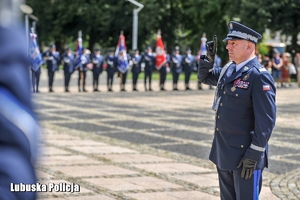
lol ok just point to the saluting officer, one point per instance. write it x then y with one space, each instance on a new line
149 59
188 67
245 113
136 68
176 66
111 68
68 63
52 58
97 60
85 60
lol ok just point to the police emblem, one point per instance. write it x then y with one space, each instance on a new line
246 77
230 26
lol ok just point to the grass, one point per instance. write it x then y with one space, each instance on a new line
155 76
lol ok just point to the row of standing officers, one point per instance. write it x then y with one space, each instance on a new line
97 63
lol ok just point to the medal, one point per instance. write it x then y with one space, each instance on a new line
233 89
246 77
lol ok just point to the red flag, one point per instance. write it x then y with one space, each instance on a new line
160 53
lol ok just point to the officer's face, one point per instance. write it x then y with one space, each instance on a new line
239 50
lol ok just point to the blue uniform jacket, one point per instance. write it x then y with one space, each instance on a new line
149 61
188 63
176 63
97 64
18 125
111 62
53 60
136 67
69 61
246 113
85 59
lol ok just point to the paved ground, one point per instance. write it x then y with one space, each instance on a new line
149 145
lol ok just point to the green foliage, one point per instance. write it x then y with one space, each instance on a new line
182 22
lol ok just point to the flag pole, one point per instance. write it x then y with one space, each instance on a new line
81 72
121 75
159 76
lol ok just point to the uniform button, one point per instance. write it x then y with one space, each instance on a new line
224 92
221 104
236 95
242 146
217 129
218 116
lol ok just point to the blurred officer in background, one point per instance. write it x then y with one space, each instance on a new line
188 63
18 125
136 68
85 60
111 68
176 66
245 113
68 60
97 60
149 59
163 72
52 58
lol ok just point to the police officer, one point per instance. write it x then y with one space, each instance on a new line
148 59
245 113
85 60
136 68
68 60
111 68
123 66
188 63
52 58
163 72
97 60
35 78
18 125
176 66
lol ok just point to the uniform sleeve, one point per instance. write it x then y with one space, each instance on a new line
207 74
264 106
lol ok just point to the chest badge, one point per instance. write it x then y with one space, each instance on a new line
238 83
246 77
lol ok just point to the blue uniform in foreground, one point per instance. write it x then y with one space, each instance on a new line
18 125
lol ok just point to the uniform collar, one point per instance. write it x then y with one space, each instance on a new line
242 64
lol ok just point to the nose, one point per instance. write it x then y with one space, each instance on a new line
228 46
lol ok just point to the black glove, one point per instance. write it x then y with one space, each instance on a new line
211 48
248 167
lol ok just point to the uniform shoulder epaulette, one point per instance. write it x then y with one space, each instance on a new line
260 68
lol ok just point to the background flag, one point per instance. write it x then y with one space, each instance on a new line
35 55
160 58
123 63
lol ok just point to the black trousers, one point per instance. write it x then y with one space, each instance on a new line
175 77
35 80
50 78
67 78
135 76
110 80
163 76
124 77
148 74
96 80
81 78
187 75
